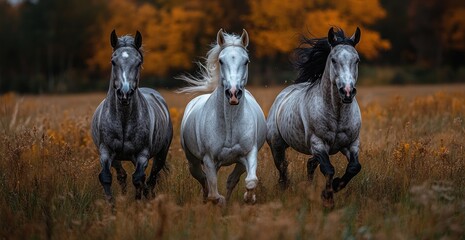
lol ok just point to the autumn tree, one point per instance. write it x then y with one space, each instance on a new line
275 24
168 35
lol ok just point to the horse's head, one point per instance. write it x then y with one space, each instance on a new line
343 61
126 63
233 61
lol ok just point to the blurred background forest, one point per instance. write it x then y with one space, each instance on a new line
63 46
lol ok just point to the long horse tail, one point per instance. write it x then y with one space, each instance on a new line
204 82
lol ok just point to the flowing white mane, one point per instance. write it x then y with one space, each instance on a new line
209 72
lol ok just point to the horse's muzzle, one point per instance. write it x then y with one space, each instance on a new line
124 97
234 95
347 94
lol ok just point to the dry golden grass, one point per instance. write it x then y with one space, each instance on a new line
411 185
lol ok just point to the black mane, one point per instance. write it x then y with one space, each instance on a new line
310 57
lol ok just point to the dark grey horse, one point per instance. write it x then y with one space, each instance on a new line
131 123
319 115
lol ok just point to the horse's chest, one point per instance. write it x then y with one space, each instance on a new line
129 142
340 137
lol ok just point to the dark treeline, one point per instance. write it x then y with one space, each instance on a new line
46 44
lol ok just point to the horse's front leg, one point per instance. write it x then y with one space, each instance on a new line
251 181
211 174
121 175
233 179
353 168
320 154
328 171
105 175
138 177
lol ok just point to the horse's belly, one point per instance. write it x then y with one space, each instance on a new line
295 136
299 146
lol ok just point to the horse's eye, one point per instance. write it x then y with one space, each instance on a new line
247 62
333 60
357 61
113 63
221 62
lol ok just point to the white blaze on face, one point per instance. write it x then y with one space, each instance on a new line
125 86
125 55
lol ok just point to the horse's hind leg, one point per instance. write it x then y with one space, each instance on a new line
233 179
251 180
278 150
121 175
159 162
312 164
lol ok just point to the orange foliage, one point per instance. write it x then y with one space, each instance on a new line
275 24
165 35
454 29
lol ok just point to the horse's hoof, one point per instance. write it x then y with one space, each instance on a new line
283 184
148 193
138 195
109 199
338 184
250 197
328 200
310 178
220 201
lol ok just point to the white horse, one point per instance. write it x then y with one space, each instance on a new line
226 126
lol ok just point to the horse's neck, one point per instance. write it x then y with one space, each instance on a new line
228 114
124 113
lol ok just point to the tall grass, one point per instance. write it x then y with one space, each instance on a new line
411 184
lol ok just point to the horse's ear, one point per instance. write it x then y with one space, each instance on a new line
245 38
113 39
220 37
356 37
331 37
138 40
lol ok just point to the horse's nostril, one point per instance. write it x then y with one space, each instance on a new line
239 94
227 93
342 91
119 92
354 91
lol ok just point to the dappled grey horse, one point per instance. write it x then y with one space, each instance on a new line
226 126
131 123
319 115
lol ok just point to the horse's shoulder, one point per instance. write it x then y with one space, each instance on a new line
152 93
195 104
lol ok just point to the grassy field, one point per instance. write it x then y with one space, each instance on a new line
411 186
